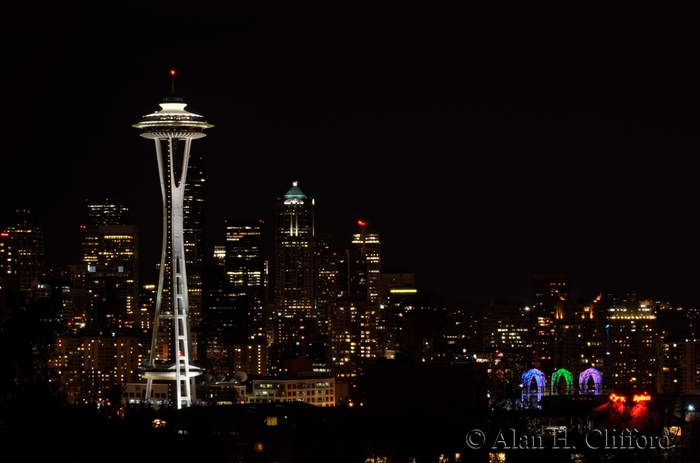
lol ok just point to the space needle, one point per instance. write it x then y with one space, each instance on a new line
172 129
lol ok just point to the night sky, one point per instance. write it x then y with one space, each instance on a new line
483 144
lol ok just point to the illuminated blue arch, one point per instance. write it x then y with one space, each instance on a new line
539 378
568 380
597 380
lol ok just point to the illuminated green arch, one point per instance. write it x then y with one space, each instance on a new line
568 379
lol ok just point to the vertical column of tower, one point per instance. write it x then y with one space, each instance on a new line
175 128
180 291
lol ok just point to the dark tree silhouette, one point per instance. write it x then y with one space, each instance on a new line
28 340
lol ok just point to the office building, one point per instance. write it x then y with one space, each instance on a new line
318 390
294 254
225 321
631 333
245 257
369 246
395 278
251 359
353 338
193 232
107 212
109 274
547 288
507 328
331 280
23 257
679 366
580 340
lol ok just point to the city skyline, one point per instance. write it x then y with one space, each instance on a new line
483 147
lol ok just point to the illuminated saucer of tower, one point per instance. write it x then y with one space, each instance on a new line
173 129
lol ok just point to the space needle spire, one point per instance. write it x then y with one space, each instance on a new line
172 129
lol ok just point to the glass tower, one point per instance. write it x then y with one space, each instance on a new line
294 254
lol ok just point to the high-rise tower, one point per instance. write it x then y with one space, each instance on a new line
109 275
193 235
548 288
294 254
369 247
245 260
23 259
172 129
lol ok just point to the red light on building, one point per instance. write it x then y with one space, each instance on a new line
362 223
636 398
618 398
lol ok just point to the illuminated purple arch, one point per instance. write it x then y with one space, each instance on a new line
597 380
568 379
539 378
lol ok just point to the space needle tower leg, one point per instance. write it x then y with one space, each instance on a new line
173 129
179 289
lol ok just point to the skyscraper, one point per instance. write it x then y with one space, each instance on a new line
109 254
193 216
4 250
294 254
193 219
107 212
172 129
23 260
547 289
331 280
369 247
245 260
246 269
631 332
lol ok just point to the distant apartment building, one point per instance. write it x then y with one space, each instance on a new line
251 359
353 340
631 333
395 278
507 328
679 366
580 338
135 393
547 289
93 368
314 390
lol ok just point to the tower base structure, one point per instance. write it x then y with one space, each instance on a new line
183 379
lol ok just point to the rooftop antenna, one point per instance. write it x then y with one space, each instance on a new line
172 87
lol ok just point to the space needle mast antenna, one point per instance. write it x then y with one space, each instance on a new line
172 129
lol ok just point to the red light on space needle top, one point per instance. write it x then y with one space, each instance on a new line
362 223
172 72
